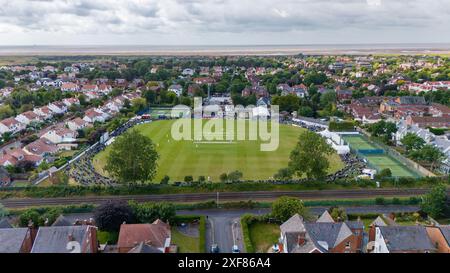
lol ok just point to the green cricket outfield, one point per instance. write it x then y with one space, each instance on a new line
210 159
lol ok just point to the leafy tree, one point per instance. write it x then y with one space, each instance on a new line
435 202
383 129
28 216
110 215
188 178
384 173
429 154
286 207
149 212
201 178
165 180
288 103
3 211
412 142
338 214
283 174
235 176
223 177
132 158
310 156
305 111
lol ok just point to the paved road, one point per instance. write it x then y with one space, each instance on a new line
220 222
224 196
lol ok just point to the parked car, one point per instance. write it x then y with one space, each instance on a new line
235 249
214 248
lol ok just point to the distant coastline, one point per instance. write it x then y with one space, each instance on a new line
225 50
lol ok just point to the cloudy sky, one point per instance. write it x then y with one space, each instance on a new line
204 22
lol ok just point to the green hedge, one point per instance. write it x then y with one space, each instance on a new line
341 126
246 234
202 234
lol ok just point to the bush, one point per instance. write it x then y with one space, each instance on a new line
341 126
396 201
188 178
165 180
380 201
149 212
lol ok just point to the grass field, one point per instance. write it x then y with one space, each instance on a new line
263 235
181 158
380 161
185 243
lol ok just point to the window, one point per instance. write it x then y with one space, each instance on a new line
347 244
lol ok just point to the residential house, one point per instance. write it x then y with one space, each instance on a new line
176 88
188 72
14 156
104 88
16 240
89 88
402 239
71 101
28 117
424 122
92 115
66 239
77 124
41 147
69 87
11 125
44 112
156 235
60 134
440 237
439 110
344 94
58 107
323 236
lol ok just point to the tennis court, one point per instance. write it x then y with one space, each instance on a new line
359 143
377 157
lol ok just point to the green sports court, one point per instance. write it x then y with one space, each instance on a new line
377 157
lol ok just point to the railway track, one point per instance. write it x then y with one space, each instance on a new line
223 196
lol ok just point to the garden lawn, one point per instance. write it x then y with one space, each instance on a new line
186 244
182 158
263 236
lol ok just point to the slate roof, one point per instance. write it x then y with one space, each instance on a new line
293 224
325 218
378 222
144 248
55 239
61 221
4 223
11 239
406 238
354 224
331 233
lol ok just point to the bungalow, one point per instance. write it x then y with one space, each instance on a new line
16 240
156 235
69 87
66 239
58 107
28 117
77 124
11 125
402 239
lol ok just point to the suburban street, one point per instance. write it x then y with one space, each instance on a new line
219 226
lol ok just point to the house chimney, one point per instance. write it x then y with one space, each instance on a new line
301 238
